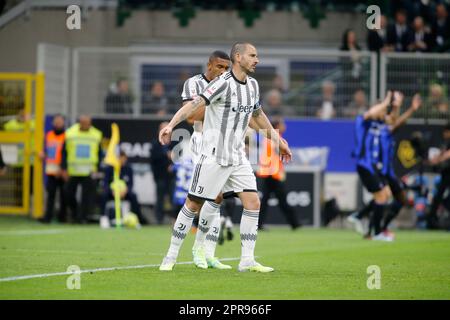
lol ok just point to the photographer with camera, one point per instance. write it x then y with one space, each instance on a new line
443 161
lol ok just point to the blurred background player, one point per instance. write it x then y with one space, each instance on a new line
271 171
367 132
443 161
81 158
162 168
397 187
386 151
126 193
208 226
53 146
183 166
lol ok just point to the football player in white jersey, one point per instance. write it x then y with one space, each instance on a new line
232 101
208 230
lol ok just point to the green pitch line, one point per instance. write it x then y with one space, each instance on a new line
309 264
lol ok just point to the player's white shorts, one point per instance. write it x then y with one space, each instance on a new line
209 179
195 145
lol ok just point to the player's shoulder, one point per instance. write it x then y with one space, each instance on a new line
222 80
226 76
196 78
252 81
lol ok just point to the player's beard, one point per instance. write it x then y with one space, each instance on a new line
249 69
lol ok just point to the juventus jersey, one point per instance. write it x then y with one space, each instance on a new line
193 87
230 104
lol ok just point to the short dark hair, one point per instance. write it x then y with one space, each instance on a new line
401 11
59 115
238 47
122 154
219 54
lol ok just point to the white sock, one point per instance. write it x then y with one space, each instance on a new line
180 230
228 223
212 237
249 231
210 210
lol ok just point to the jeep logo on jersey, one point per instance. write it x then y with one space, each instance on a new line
244 109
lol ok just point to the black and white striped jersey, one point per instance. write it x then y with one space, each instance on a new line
230 104
194 86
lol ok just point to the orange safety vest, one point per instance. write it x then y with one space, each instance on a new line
270 163
54 144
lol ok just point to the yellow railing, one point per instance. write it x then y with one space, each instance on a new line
33 83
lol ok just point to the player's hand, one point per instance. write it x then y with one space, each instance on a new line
165 134
398 99
388 98
285 152
3 171
416 102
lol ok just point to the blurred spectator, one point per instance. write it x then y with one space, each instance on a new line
119 99
54 142
162 168
80 163
420 40
377 39
273 105
437 103
126 175
351 66
155 101
441 29
357 106
278 83
399 32
327 104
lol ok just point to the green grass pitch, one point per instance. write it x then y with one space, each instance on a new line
309 264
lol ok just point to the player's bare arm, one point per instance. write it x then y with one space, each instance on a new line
397 103
415 105
185 111
259 121
375 110
198 115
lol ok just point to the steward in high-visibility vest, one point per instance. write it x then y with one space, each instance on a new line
270 163
17 165
53 154
18 125
273 175
82 150
81 159
54 142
